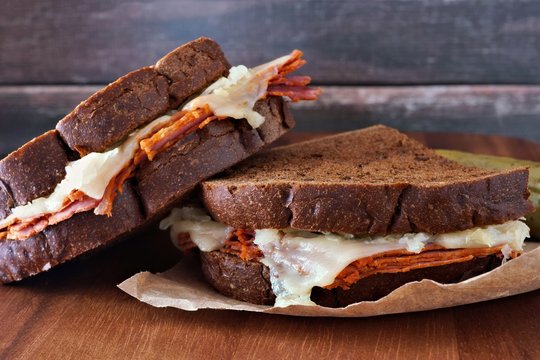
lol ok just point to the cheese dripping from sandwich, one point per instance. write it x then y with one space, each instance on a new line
301 260
93 181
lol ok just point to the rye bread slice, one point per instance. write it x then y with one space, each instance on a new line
163 182
376 181
59 243
33 170
191 67
110 115
250 280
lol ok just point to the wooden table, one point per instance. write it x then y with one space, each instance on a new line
76 311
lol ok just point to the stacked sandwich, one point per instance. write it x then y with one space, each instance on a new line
135 148
332 221
349 218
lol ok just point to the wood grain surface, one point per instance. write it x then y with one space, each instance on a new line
512 110
76 312
346 41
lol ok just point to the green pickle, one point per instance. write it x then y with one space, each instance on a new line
500 163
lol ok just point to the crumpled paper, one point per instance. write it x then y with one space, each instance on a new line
183 287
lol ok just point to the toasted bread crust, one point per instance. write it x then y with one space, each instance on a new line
375 181
110 115
250 280
242 280
64 241
191 67
34 169
219 145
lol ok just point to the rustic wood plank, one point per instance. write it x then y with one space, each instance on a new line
75 311
346 42
504 110
27 111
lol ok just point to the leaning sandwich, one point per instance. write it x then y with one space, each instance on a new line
350 218
133 149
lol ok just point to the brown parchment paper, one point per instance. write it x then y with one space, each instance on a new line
183 287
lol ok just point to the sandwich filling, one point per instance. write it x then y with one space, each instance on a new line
301 260
92 182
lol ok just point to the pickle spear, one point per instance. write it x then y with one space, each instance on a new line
501 163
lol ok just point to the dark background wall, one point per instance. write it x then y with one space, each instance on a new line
429 65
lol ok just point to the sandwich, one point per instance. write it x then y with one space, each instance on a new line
350 218
132 150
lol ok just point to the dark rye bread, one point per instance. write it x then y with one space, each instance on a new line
190 68
250 280
110 115
35 169
233 277
221 144
62 242
376 180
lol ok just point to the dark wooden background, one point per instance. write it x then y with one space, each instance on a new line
437 65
